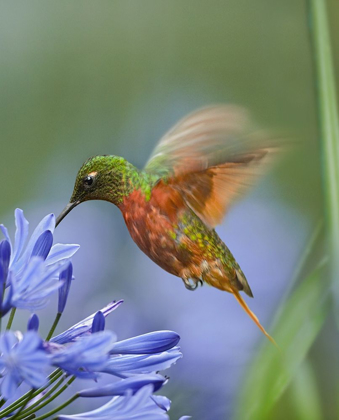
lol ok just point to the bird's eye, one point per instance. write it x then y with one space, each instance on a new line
88 181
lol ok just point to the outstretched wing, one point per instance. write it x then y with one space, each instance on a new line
212 156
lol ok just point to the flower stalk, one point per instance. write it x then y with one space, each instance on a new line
53 327
10 319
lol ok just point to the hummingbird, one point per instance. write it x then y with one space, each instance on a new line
171 207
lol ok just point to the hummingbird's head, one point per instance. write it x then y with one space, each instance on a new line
99 178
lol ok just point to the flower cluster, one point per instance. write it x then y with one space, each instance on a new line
29 272
29 275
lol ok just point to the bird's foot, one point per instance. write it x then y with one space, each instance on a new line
192 284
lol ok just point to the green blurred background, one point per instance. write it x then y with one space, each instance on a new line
80 78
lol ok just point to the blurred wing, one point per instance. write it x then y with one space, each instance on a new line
212 156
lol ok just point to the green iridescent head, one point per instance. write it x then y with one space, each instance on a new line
99 178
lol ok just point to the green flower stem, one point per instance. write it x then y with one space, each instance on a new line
329 126
55 323
37 403
16 404
46 402
29 396
65 404
48 393
10 319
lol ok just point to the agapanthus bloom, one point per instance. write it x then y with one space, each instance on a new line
87 355
29 271
28 276
84 327
132 384
140 406
84 354
21 359
153 342
125 365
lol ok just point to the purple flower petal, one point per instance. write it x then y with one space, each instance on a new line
22 360
98 322
120 388
34 270
7 342
43 245
5 257
30 342
6 234
87 354
61 252
33 323
6 305
30 279
47 223
9 385
84 326
36 285
154 342
142 363
21 234
139 406
163 402
66 278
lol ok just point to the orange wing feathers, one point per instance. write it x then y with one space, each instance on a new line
212 157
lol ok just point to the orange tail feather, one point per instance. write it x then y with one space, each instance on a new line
251 314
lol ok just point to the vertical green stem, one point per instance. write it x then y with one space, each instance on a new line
10 320
329 127
55 323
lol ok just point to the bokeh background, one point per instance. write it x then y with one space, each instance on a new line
80 78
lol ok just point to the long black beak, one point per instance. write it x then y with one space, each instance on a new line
65 212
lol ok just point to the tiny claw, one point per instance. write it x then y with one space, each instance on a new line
192 286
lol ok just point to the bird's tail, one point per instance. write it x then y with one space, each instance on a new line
251 314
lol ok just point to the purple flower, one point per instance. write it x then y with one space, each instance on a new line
132 384
38 245
83 327
33 289
30 270
5 255
153 342
145 363
86 356
65 277
98 323
137 406
29 274
21 360
33 323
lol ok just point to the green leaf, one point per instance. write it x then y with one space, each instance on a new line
305 393
272 370
329 127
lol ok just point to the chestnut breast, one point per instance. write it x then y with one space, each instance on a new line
152 224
